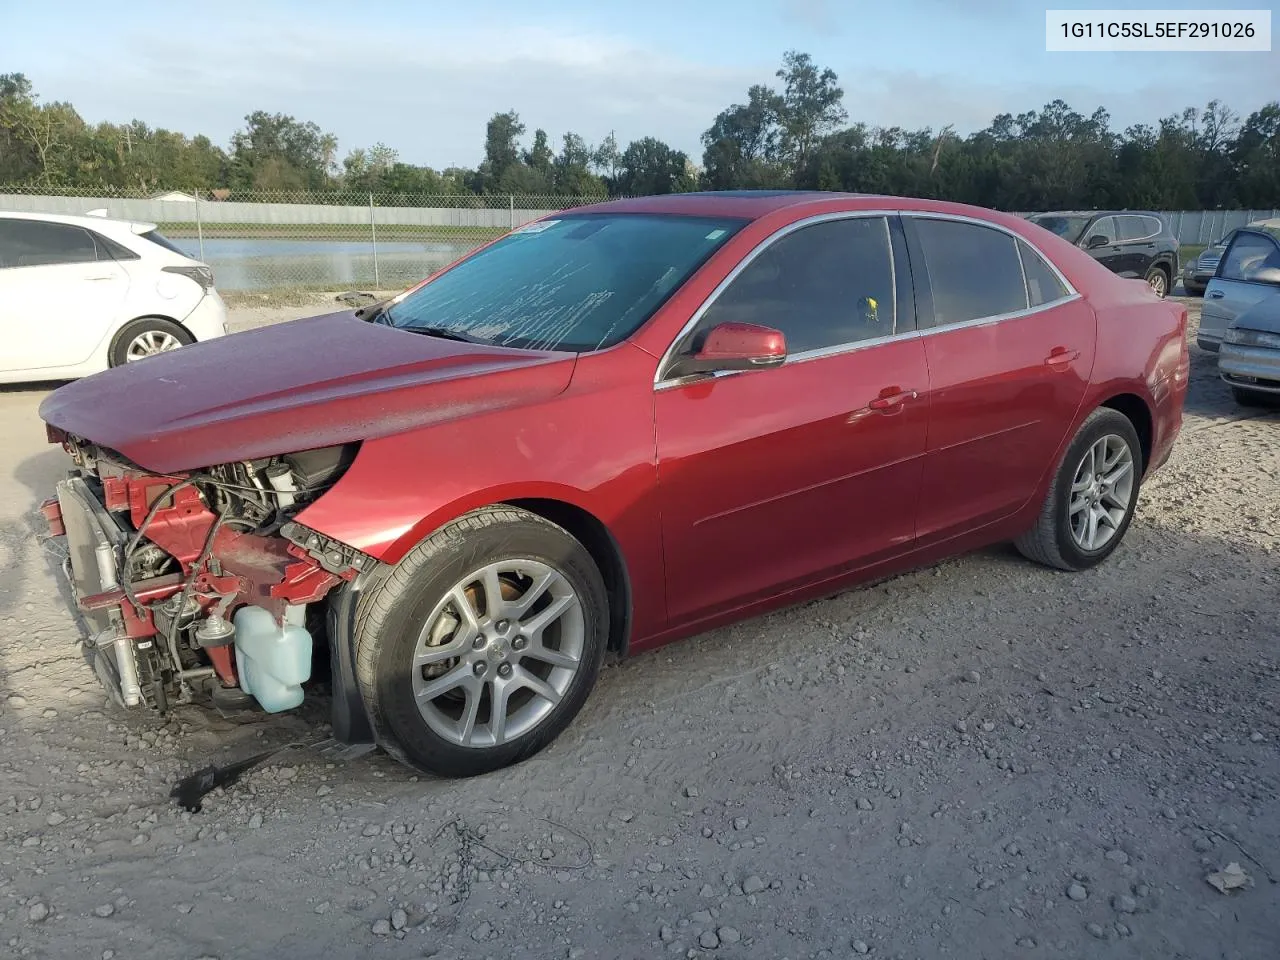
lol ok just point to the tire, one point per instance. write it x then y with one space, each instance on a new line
415 612
1052 541
1251 398
157 330
1158 279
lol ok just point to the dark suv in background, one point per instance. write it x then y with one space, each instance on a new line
1131 243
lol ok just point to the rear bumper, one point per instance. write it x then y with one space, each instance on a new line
209 319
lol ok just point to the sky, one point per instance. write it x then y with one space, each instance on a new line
425 76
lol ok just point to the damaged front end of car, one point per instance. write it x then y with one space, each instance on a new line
202 586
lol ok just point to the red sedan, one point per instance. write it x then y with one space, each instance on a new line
612 428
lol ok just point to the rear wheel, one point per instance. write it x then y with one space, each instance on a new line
481 646
1092 497
147 337
1158 280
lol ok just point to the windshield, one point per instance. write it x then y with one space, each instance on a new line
577 283
1069 228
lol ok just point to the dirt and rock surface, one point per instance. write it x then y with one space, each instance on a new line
980 759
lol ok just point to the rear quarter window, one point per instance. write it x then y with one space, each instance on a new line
1043 285
160 240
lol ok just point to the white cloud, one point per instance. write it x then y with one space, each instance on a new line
426 94
429 92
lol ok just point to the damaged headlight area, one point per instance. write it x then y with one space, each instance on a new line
202 585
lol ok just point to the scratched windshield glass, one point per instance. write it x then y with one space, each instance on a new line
578 283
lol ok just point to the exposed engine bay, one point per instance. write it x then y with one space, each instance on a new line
200 586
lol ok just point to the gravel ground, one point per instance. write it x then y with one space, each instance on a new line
980 759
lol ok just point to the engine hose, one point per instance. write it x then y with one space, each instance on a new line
172 636
125 582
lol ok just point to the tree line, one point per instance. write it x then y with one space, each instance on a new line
795 134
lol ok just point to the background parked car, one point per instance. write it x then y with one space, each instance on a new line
1250 356
1129 243
1198 272
1248 273
81 294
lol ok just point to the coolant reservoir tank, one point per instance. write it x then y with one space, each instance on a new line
272 661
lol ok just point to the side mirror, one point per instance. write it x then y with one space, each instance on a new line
1097 240
736 346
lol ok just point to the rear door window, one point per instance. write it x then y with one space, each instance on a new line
35 243
974 271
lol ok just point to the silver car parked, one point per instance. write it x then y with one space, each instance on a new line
1249 272
1250 356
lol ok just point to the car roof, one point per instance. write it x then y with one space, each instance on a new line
755 204
1097 213
79 220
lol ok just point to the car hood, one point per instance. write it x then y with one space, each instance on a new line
295 386
1263 315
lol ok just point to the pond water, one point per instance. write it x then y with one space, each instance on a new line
271 263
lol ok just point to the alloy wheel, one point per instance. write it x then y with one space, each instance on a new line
1101 492
149 343
498 653
1159 286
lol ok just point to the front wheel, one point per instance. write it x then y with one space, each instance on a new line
482 645
1092 497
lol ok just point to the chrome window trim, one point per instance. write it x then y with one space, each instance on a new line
1022 268
660 382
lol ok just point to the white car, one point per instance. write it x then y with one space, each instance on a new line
81 294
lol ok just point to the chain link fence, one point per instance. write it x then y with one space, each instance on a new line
265 241
277 241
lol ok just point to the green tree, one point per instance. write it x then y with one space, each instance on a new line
539 157
607 158
648 166
810 106
501 147
277 152
741 146
1256 154
571 173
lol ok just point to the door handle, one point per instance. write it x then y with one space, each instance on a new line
104 276
1214 294
893 400
1061 356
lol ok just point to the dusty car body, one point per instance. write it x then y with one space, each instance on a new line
1249 358
473 514
1247 273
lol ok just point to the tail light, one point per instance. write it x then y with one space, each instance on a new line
201 275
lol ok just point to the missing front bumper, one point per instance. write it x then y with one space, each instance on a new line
95 545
